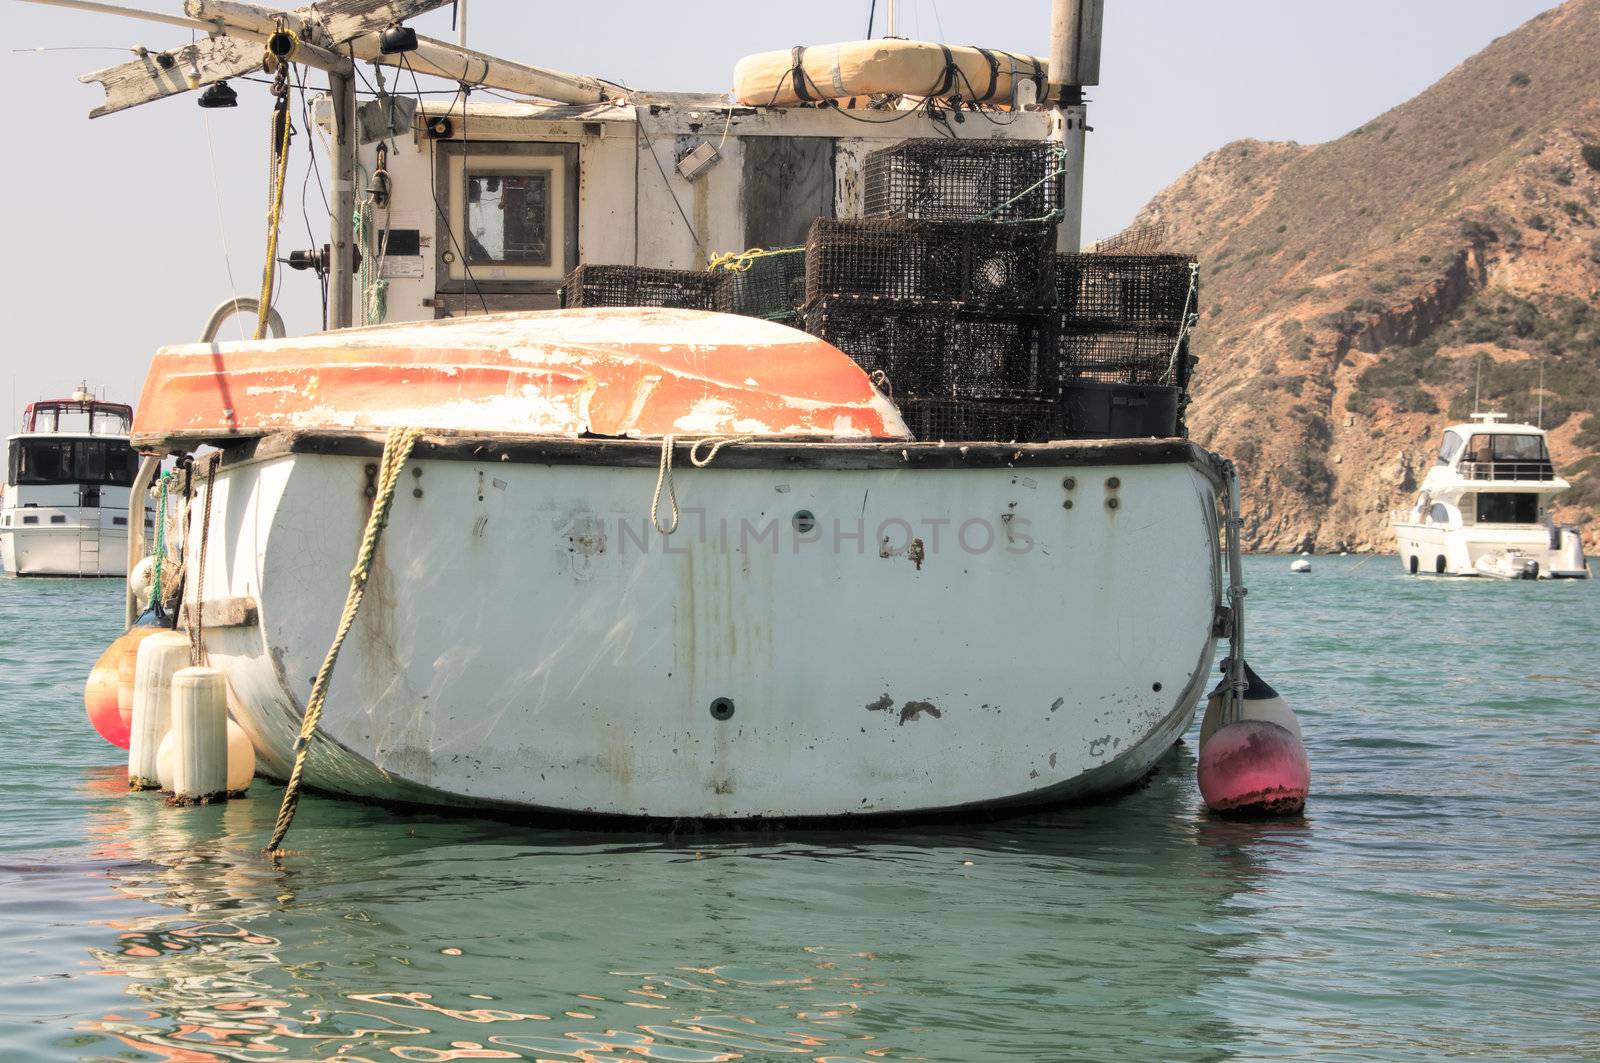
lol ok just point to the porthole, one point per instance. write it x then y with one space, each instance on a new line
722 709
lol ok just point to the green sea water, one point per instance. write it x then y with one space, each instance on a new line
1439 901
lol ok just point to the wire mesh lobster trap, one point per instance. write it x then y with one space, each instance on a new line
941 350
642 286
1004 420
979 264
1121 287
770 285
1123 353
965 180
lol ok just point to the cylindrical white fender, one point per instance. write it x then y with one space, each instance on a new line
200 730
160 656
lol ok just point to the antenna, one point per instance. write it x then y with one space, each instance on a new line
1540 422
1477 388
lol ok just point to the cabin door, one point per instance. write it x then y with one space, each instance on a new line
788 184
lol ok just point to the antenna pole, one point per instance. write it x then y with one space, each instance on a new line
1477 389
1540 422
892 29
461 22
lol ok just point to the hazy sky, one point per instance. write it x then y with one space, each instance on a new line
117 248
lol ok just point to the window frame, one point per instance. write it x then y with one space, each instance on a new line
453 160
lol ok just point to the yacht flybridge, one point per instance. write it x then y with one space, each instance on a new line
64 505
724 459
1484 509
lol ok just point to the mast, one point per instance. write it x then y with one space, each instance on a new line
1075 27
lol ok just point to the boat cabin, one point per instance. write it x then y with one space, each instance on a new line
489 206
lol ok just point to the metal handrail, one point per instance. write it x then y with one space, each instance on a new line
1507 470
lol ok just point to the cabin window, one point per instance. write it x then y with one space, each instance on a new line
508 218
66 461
1496 507
1438 514
1450 448
119 522
1519 448
30 519
58 518
512 216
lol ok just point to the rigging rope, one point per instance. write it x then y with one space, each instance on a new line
161 544
281 126
396 450
197 635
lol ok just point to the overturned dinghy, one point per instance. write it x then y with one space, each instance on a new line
830 620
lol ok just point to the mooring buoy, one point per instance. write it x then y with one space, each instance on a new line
1252 758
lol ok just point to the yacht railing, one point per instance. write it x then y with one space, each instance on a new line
1507 470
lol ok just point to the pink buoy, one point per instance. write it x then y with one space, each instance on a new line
1254 767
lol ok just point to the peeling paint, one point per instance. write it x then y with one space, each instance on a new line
1056 704
913 710
883 704
915 553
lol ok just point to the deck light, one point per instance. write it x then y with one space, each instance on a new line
396 39
219 94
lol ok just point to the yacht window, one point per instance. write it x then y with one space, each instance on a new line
508 218
1508 508
65 461
1519 448
1482 448
1450 448
58 518
119 521
30 519
1438 514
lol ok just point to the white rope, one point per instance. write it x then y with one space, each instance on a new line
1185 322
664 473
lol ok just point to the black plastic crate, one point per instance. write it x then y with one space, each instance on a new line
1119 352
771 286
1095 409
965 180
1004 420
942 350
641 286
982 265
1152 288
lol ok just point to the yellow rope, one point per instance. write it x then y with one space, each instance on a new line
269 270
396 449
739 261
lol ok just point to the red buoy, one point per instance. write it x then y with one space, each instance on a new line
1254 767
108 693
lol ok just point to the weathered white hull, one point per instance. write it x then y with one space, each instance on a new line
85 549
941 638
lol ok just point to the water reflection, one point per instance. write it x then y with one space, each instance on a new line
1089 933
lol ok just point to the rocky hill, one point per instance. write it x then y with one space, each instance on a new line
1355 290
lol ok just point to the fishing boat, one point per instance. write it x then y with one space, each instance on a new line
64 505
1485 508
891 512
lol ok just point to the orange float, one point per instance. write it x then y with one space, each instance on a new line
108 693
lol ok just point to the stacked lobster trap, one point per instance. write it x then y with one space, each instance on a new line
945 291
950 293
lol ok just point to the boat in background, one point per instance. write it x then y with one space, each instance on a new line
64 504
1484 509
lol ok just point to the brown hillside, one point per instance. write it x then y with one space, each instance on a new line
1354 288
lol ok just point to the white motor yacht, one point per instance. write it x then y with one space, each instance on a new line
1484 509
64 504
